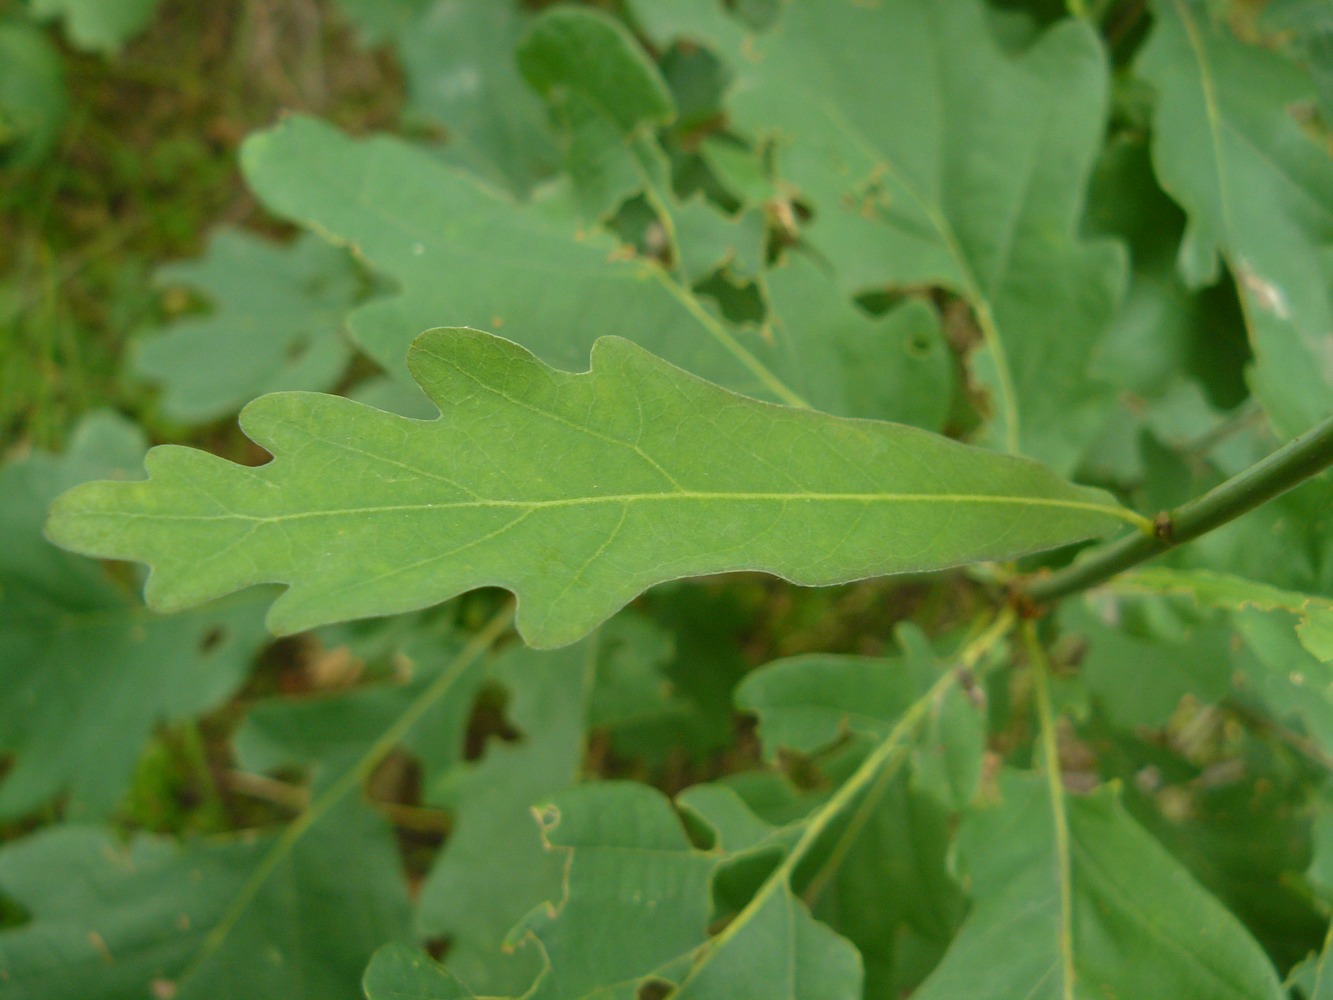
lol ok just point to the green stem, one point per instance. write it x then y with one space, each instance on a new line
1289 466
1050 749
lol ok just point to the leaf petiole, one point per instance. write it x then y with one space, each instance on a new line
1041 678
1300 459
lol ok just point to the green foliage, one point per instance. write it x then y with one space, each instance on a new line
1127 895
32 94
274 325
97 26
665 289
1256 192
972 184
149 918
85 670
495 868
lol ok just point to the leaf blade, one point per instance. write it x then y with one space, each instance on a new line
1127 891
574 491
1258 193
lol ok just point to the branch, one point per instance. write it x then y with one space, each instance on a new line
1289 466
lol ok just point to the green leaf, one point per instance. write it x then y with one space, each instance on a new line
892 367
1320 872
636 893
95 25
124 922
1318 973
1320 985
879 876
634 700
1289 681
1242 839
1140 670
1234 593
885 883
32 94
1290 671
1258 193
576 491
465 256
605 95
1310 22
707 625
458 58
806 703
295 914
398 972
1141 926
275 324
494 868
708 241
331 733
952 750
1164 332
810 703
974 182
635 908
637 902
85 671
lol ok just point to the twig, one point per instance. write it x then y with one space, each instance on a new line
1289 466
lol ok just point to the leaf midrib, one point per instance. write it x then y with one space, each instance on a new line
971 289
631 498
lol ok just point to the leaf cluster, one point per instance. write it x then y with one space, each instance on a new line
926 300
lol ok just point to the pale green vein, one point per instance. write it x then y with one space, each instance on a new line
1059 816
732 345
1213 111
1123 514
971 285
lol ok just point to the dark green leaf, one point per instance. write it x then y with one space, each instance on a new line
275 324
86 671
458 57
1140 669
151 919
928 156
32 94
1258 194
494 868
636 907
606 96
1140 927
398 972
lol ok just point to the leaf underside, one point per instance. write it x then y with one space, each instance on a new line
574 491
